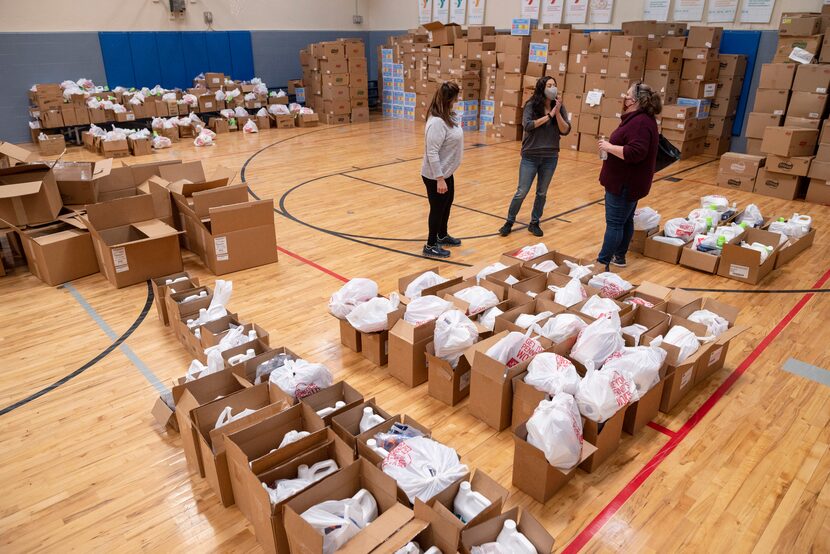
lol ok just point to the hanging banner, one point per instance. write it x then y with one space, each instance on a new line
601 11
657 9
458 11
688 10
552 11
722 11
424 11
530 9
756 11
476 12
441 11
576 11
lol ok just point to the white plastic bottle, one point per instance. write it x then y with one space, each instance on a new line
368 506
202 294
373 444
468 503
176 280
292 437
317 471
513 541
252 335
331 409
432 550
240 358
369 419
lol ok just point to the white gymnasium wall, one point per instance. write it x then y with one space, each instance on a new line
148 15
403 14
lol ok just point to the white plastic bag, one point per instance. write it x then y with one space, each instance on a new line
640 364
685 340
300 378
596 307
239 111
603 393
492 268
425 308
454 333
160 142
555 428
526 321
569 295
421 282
487 319
751 216
635 331
197 369
340 520
646 218
553 374
598 341
352 294
227 416
761 248
715 202
610 284
262 112
545 267
250 127
578 271
514 349
479 298
716 324
704 214
423 467
278 109
530 252
679 228
203 139
561 327
371 316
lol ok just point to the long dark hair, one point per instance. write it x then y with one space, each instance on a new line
537 101
441 105
647 99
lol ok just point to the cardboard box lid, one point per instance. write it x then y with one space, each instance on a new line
14 152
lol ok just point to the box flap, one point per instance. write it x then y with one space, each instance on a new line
16 190
247 215
190 171
14 152
123 211
653 289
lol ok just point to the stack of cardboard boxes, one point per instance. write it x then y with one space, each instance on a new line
335 75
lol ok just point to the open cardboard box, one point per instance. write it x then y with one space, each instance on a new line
512 256
744 264
79 182
29 195
189 396
715 358
346 422
623 308
489 530
349 336
407 349
428 529
267 518
405 281
518 272
704 261
212 440
375 347
58 252
131 243
639 413
340 391
449 293
179 309
448 384
542 303
652 293
557 257
662 251
363 449
471 273
491 395
214 331
392 516
605 436
249 368
649 318
259 347
793 247
11 154
161 290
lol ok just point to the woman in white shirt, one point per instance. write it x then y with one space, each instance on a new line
444 147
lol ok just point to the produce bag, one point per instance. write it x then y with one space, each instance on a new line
340 520
492 268
597 307
571 294
479 298
545 267
640 364
716 324
685 340
751 216
610 284
530 252
578 271
487 319
646 218
526 321
250 127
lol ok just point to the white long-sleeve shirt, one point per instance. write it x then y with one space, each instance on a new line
443 148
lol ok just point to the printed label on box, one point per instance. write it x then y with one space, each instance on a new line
740 271
710 89
464 382
119 258
538 52
220 244
715 356
299 92
686 378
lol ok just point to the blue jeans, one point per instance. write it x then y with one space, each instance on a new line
619 226
542 169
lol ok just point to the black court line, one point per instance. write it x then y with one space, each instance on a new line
138 321
758 291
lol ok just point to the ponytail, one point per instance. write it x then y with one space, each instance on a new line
648 100
441 105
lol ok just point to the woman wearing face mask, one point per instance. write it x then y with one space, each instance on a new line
628 170
545 120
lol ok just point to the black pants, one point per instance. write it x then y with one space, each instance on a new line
439 208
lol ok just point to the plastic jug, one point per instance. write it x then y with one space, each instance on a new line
468 503
202 294
373 444
803 221
367 504
415 548
293 436
369 419
432 550
317 471
513 541
252 335
240 358
331 409
176 280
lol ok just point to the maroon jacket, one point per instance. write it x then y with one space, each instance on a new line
638 136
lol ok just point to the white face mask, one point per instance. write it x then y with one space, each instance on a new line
550 93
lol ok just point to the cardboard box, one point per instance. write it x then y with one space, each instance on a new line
778 185
698 89
605 437
662 251
753 146
346 421
11 154
701 70
704 37
79 182
732 65
799 25
743 264
771 101
786 45
626 68
29 195
214 81
664 59
442 505
375 347
638 414
743 165
51 145
729 87
791 121
132 245
812 78
628 46
340 391
789 141
818 192
757 122
817 169
743 183
701 261
181 281
714 360
790 166
807 105
777 76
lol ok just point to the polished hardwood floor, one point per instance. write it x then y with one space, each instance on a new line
85 467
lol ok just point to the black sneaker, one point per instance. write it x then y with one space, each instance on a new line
607 267
619 262
449 241
505 229
436 251
535 230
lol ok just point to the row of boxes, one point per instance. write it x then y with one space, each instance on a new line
335 79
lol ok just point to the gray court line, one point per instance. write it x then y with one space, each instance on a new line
803 369
132 356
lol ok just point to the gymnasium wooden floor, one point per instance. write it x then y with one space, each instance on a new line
742 465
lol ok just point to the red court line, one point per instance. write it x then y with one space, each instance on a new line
661 429
312 264
629 489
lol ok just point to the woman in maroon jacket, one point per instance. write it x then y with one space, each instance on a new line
628 170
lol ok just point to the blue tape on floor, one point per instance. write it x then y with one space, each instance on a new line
803 369
142 367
